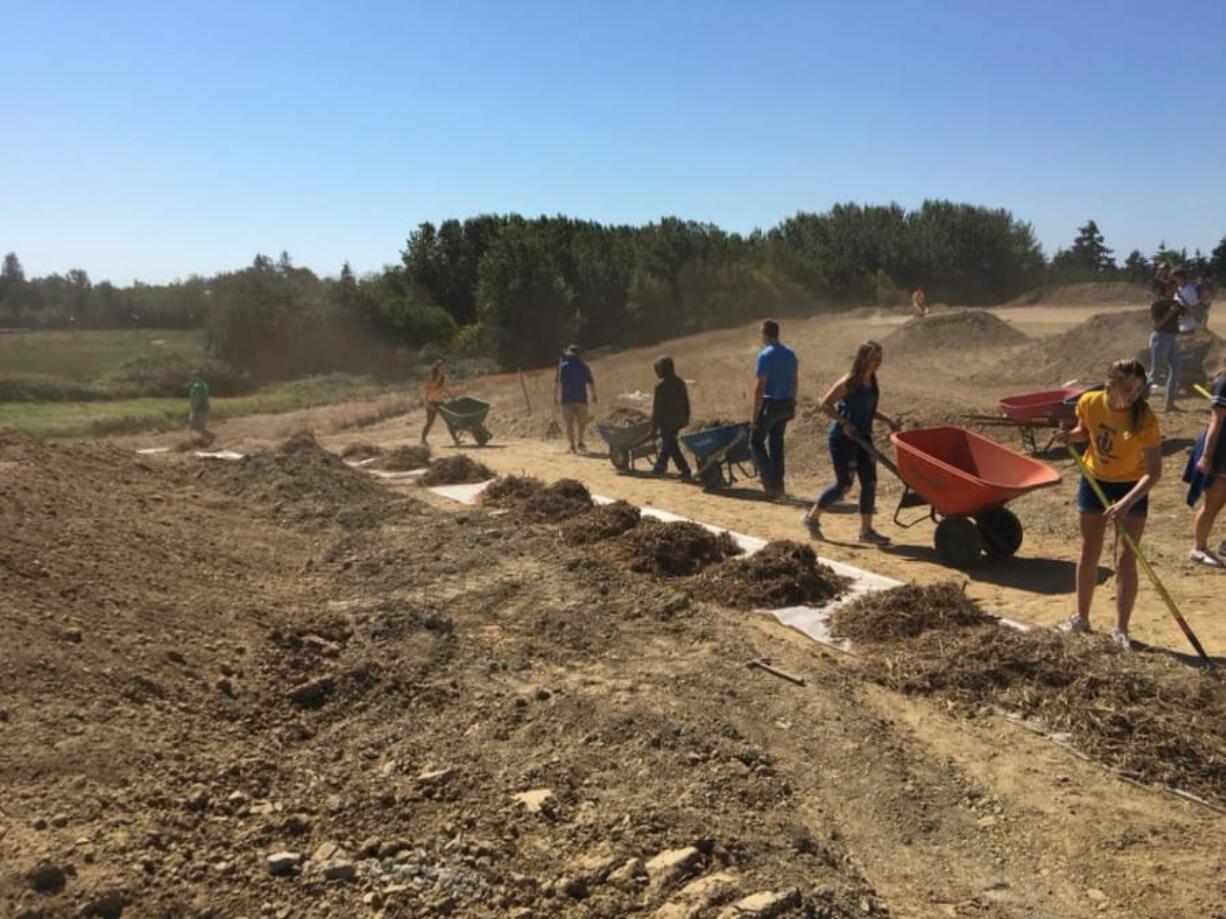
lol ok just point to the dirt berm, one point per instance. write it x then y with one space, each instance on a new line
954 331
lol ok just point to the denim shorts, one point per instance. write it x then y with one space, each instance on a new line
1088 503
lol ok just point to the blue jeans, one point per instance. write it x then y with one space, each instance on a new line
844 454
1164 355
766 441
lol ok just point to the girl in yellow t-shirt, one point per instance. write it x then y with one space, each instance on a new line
1124 453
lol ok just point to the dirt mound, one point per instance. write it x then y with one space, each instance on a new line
708 423
907 611
783 573
1080 294
403 459
360 451
602 522
955 331
195 442
626 417
670 549
304 483
456 470
1151 716
1085 351
532 500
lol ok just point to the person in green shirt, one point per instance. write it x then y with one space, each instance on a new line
198 401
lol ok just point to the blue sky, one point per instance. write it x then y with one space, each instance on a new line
153 140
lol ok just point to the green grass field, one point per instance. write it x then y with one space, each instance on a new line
89 356
125 416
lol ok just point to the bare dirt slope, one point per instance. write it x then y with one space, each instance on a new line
406 708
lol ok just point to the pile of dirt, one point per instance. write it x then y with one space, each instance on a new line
907 611
1079 294
532 500
455 470
1149 715
707 423
783 573
954 331
1085 351
670 549
626 417
605 521
303 483
360 451
404 459
195 442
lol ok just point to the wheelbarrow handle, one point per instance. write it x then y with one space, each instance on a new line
867 445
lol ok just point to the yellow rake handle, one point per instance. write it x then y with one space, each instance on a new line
1204 392
1141 559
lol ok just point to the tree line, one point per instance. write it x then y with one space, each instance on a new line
517 289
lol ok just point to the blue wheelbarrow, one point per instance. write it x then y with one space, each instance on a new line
466 415
628 442
722 453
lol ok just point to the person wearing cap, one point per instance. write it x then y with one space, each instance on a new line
570 390
774 405
1164 314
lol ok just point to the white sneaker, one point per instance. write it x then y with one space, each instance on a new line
1121 640
1078 623
1205 557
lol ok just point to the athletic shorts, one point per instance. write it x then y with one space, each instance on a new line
574 412
1088 503
198 419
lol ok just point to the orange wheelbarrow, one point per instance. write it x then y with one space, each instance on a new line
966 481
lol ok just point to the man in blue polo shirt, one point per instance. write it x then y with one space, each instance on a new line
570 391
774 405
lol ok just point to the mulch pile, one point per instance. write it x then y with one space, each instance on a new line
404 459
908 611
783 573
953 331
1149 715
626 417
303 483
360 451
455 470
670 549
606 521
536 502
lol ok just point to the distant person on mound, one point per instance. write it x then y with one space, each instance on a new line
919 302
198 407
570 392
1124 453
1189 298
851 406
1206 475
670 412
1164 314
434 394
774 405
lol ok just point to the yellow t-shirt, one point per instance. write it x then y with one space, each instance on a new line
435 384
1115 452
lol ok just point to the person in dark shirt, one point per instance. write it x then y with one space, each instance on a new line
670 412
1206 476
1164 314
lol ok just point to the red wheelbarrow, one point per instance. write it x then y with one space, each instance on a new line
1033 411
966 481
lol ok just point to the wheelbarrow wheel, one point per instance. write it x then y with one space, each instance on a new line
482 435
620 459
1001 532
958 541
712 478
